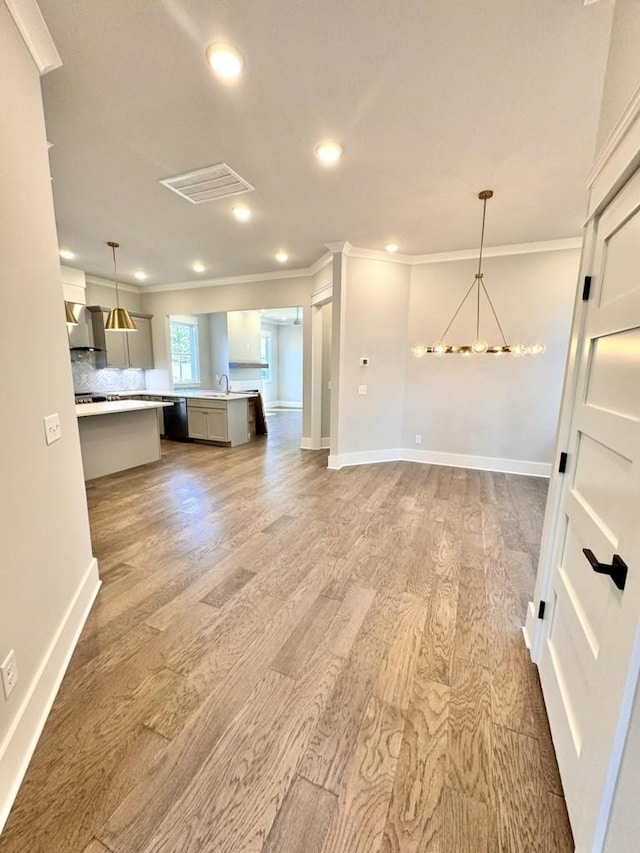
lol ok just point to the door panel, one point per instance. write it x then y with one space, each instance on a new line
586 662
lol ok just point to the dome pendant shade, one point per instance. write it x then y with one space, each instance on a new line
119 320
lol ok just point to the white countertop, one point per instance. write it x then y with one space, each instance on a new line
112 407
192 393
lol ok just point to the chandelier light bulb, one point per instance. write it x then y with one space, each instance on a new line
479 347
439 348
538 348
518 350
465 353
419 350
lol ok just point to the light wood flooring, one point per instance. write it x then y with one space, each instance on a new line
288 659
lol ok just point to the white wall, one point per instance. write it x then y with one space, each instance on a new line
623 66
290 364
47 574
103 292
496 408
370 313
219 341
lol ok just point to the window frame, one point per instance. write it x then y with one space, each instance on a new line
194 346
266 373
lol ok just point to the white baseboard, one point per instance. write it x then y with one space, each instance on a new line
529 627
479 463
432 457
363 457
23 735
286 404
307 444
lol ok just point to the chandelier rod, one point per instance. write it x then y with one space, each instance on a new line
464 299
504 340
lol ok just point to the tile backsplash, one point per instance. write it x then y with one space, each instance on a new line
86 378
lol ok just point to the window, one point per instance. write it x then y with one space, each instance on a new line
265 355
184 352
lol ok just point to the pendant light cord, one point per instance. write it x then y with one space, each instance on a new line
115 276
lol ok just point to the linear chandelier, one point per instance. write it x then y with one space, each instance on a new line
479 345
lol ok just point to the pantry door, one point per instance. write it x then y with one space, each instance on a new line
591 643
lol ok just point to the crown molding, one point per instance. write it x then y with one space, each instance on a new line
350 251
105 282
619 131
35 33
236 279
463 254
322 262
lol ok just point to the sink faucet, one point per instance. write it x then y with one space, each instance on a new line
226 383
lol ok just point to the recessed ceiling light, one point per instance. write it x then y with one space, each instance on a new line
392 247
140 275
226 61
241 212
198 266
328 152
67 254
282 257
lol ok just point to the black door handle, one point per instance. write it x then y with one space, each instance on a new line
617 569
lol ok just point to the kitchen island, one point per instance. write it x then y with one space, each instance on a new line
116 435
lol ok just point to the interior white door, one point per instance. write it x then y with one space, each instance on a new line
590 652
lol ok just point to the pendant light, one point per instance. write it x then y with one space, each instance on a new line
479 346
118 319
297 321
70 316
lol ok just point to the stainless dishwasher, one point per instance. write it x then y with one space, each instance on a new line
176 426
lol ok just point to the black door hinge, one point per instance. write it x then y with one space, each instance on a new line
562 465
541 608
586 288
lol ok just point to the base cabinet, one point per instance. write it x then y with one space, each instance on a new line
219 421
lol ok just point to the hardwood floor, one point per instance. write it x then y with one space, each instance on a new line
288 659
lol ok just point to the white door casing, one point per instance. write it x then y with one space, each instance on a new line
590 643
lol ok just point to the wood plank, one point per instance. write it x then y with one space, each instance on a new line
412 821
303 819
234 800
470 731
227 588
95 846
364 798
398 669
522 824
295 654
463 825
277 525
349 618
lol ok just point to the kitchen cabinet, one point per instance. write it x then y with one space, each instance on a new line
219 421
140 342
122 349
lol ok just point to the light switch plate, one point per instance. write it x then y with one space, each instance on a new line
362 389
52 428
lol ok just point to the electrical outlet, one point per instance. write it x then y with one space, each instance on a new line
418 439
52 428
9 672
329 386
362 389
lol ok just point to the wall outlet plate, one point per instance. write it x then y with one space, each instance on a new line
52 428
9 671
362 389
418 439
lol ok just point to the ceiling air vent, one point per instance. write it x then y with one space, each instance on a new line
208 184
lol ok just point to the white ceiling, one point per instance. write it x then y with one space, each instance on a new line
433 101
